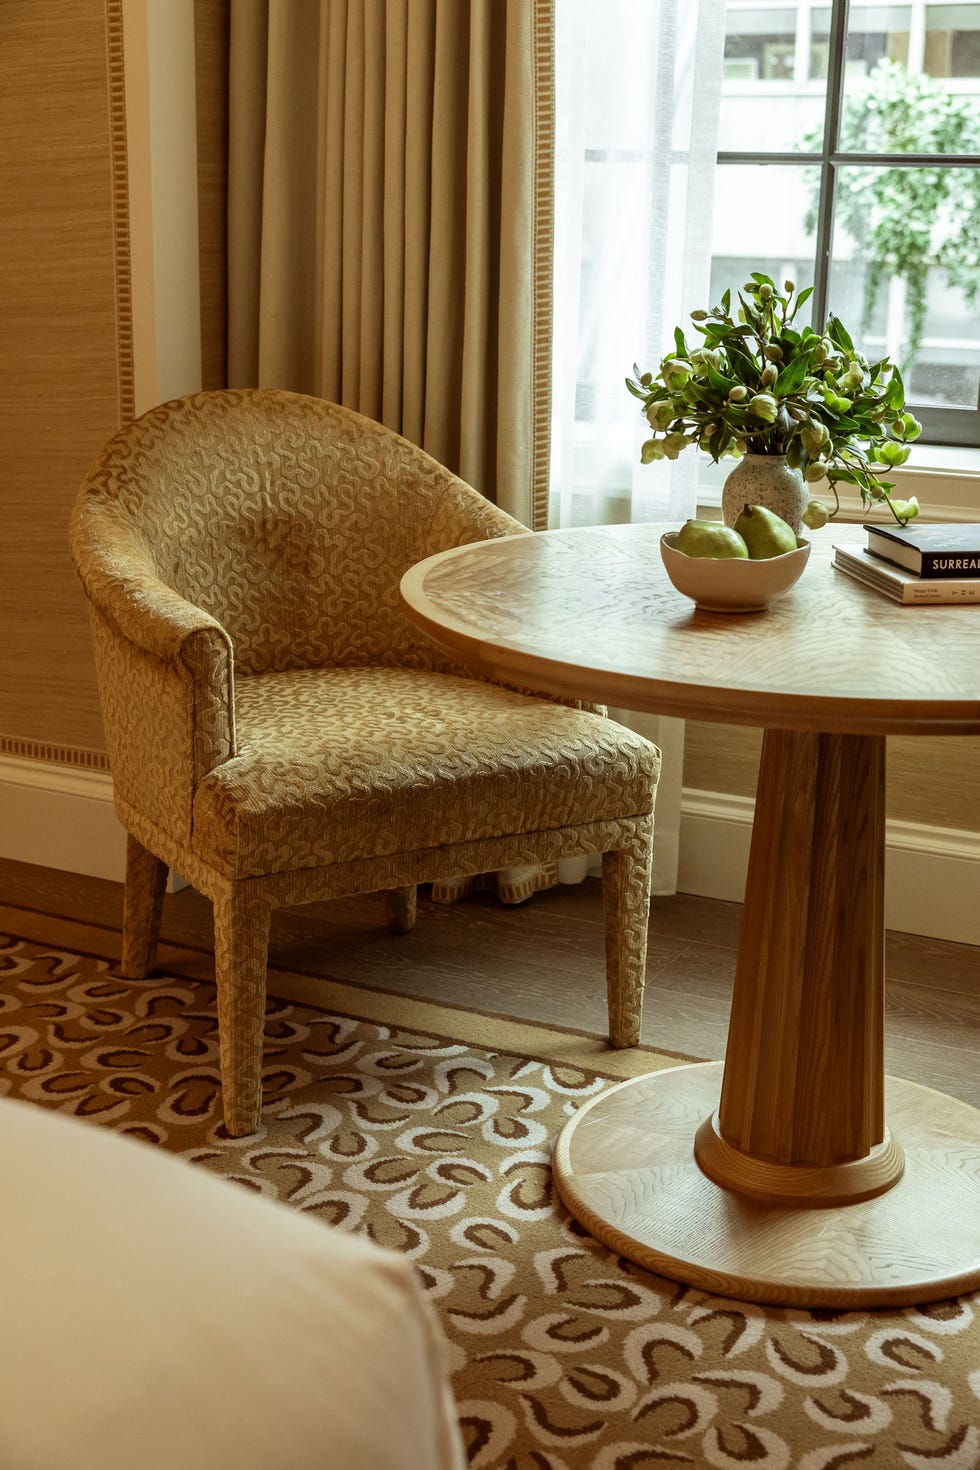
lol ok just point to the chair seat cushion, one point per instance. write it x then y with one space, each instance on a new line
339 764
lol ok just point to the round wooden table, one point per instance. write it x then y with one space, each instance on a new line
774 1176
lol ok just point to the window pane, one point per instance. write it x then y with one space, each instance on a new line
762 222
769 101
925 316
952 58
907 90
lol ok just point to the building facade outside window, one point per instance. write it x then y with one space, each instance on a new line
848 160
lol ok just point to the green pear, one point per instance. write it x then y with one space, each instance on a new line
765 534
709 538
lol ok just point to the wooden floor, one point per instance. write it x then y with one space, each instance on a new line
543 961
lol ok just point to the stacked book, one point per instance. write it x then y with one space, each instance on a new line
916 564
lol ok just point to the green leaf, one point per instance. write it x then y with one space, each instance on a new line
791 376
837 332
802 299
763 280
726 303
680 343
719 381
895 392
742 362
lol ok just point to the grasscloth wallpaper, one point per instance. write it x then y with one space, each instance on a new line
66 365
63 380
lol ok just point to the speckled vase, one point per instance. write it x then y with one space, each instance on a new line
765 479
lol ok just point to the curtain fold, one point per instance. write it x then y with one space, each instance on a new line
638 98
390 184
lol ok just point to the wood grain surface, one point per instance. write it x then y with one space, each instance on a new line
623 1166
654 1171
590 612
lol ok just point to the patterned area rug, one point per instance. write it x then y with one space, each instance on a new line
430 1129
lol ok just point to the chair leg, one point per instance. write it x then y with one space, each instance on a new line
146 880
626 904
241 953
402 906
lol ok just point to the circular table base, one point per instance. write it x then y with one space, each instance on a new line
624 1166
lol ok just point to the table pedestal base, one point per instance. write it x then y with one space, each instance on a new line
624 1165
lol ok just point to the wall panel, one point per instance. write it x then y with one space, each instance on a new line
64 382
932 781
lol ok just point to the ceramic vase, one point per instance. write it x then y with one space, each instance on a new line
765 479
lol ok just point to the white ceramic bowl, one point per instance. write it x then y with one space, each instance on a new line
730 583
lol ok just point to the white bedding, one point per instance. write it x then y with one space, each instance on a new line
156 1317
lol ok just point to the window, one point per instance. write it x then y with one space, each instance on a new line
850 161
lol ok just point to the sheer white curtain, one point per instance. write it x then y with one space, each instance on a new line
638 85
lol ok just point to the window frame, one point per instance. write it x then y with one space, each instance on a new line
944 426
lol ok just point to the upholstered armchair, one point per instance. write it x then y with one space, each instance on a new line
278 731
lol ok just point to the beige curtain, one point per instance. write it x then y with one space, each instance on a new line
390 187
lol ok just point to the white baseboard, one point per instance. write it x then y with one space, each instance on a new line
62 817
932 874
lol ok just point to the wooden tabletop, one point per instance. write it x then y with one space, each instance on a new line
591 613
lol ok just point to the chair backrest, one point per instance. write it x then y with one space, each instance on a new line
289 519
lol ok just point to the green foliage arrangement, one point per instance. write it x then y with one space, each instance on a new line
761 385
905 221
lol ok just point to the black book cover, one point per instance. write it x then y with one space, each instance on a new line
929 551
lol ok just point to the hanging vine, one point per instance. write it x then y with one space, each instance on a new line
907 221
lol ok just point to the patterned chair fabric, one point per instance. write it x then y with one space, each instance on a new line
280 733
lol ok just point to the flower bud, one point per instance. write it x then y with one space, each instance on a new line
651 450
772 352
737 393
674 443
814 436
892 453
814 471
906 510
911 426
675 372
789 287
816 515
765 291
764 406
768 375
699 316
646 380
660 414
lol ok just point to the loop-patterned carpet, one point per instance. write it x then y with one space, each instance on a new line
430 1130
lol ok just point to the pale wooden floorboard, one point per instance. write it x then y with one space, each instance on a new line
544 961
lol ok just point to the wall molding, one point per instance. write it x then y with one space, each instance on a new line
62 816
932 874
116 69
61 755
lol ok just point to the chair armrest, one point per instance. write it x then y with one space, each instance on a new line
166 675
